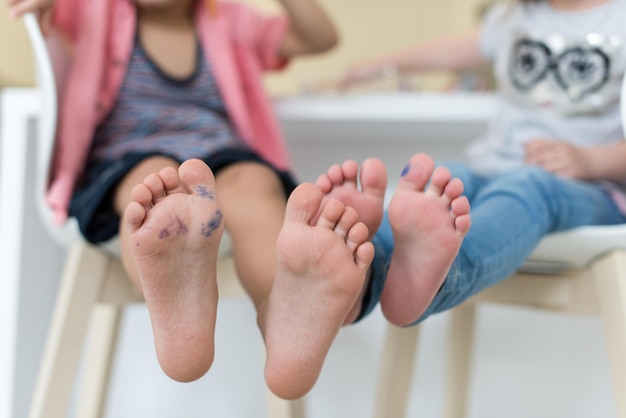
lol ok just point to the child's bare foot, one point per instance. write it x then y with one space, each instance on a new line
175 229
340 182
428 224
320 270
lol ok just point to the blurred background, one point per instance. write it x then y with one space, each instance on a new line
367 27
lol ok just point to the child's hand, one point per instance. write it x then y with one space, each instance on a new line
559 158
363 73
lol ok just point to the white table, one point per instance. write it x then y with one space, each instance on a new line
326 129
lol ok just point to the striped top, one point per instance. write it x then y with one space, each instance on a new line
155 113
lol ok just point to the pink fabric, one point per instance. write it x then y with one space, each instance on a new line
240 44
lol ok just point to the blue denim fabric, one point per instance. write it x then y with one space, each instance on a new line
510 214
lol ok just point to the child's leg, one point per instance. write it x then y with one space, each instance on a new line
252 199
321 268
170 235
511 213
429 224
316 280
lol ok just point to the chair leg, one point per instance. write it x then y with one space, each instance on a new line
396 371
281 408
84 272
610 278
105 324
460 343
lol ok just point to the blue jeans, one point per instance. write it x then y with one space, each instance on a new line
510 214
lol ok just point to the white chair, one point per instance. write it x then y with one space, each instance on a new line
579 272
94 289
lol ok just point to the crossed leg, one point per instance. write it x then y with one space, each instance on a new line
363 190
428 220
320 271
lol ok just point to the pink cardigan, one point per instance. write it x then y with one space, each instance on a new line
240 44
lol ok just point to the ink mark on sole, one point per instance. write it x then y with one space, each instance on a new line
213 224
176 226
203 191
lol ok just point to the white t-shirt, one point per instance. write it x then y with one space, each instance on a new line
559 76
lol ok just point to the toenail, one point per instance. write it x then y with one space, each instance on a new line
405 170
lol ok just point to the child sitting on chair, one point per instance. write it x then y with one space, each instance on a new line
553 158
158 92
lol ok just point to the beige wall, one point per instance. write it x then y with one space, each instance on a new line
15 56
373 27
367 27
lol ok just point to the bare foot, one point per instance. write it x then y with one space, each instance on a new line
320 271
175 229
428 226
340 182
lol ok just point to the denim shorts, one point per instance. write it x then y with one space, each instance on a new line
92 202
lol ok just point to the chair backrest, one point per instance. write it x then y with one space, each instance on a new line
50 61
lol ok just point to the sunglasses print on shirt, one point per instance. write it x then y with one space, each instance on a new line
578 70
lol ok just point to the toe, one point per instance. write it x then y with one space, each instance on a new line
325 183
335 175
417 173
155 185
374 177
364 255
439 181
196 177
462 224
142 195
348 218
303 203
331 214
134 216
350 170
454 189
356 236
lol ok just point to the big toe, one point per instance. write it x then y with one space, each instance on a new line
195 175
374 177
303 203
417 173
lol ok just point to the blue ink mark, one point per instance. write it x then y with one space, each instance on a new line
405 170
175 226
181 227
203 191
213 224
